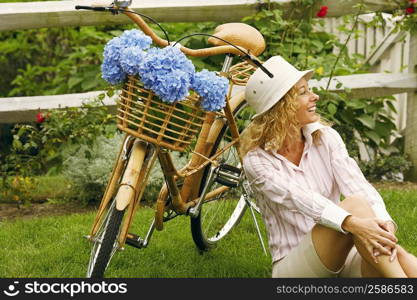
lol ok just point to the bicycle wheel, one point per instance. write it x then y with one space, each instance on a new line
106 239
221 213
105 242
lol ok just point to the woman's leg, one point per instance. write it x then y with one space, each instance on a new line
333 247
408 262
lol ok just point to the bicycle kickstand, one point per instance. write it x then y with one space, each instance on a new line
249 204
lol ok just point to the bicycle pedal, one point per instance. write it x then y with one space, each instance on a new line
228 175
134 240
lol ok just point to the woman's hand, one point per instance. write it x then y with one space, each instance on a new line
370 233
390 227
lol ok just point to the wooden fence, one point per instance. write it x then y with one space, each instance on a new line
382 50
388 51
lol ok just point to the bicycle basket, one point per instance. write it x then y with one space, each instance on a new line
240 73
142 114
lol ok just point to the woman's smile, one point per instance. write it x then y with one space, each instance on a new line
307 108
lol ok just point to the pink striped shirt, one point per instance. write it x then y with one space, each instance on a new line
293 198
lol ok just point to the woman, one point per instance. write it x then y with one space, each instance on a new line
298 167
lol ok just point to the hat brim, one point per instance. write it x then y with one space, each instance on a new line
302 74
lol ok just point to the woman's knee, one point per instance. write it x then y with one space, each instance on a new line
358 206
401 252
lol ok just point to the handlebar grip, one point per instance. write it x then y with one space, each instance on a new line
91 8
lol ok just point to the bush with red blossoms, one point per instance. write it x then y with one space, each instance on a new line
409 10
40 117
322 12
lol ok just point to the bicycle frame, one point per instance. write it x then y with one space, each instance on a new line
136 170
182 200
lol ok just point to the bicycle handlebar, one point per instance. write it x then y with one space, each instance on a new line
95 8
204 52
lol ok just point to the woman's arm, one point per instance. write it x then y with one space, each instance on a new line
278 188
350 178
269 183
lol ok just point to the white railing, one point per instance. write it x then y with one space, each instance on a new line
29 15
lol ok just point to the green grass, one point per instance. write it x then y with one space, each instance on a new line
402 206
54 247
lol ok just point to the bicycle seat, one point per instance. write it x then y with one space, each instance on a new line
239 34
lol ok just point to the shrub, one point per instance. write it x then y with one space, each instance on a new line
305 43
37 148
90 174
385 168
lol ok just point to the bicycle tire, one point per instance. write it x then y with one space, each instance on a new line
105 241
105 244
203 236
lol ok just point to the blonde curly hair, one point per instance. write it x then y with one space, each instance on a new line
270 129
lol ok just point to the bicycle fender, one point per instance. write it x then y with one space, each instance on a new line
127 192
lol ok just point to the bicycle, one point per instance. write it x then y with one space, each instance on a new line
211 188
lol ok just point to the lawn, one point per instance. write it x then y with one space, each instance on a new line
53 246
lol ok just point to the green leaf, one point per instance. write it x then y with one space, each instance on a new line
368 121
101 96
373 107
373 136
17 144
318 44
391 106
89 84
356 103
73 81
331 108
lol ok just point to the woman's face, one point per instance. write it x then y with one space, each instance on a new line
307 100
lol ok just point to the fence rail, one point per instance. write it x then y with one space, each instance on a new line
24 109
29 15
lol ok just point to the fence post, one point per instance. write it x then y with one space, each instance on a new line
411 125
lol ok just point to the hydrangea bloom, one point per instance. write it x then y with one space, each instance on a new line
135 38
112 50
130 59
112 72
167 72
211 88
119 57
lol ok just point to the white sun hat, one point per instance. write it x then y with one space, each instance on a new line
262 92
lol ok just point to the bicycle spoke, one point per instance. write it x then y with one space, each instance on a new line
221 210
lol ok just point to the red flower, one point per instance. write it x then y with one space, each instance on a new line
412 1
40 117
322 12
409 10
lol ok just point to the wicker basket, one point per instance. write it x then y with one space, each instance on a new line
142 114
241 72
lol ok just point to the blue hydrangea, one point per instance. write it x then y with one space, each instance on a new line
167 72
123 54
112 50
130 59
211 88
135 38
112 72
